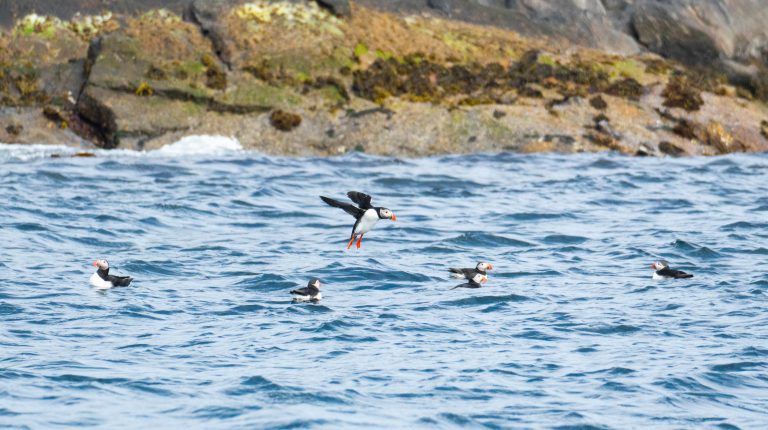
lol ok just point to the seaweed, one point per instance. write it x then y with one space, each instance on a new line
627 88
144 90
156 73
685 129
670 148
530 92
598 103
680 93
656 66
284 121
53 114
14 129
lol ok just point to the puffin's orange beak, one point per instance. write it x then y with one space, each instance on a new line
95 264
484 280
490 266
394 218
653 266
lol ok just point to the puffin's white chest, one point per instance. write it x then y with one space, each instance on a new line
99 283
300 298
369 219
657 277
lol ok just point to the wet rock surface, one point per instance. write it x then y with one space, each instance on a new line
328 77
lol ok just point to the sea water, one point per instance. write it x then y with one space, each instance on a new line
570 332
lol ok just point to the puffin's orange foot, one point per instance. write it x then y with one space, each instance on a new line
359 240
351 241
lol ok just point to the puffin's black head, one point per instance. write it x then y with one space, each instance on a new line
101 264
484 266
314 282
385 213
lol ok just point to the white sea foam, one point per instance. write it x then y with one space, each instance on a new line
201 145
187 146
24 152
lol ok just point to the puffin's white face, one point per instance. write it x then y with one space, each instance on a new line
101 264
480 279
385 213
316 283
484 266
658 265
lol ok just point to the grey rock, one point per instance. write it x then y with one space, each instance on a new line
441 5
723 33
337 7
206 13
728 35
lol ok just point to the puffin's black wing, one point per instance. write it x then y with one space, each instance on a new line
306 291
672 273
679 274
348 208
468 285
120 281
363 200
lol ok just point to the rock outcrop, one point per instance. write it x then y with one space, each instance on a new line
325 77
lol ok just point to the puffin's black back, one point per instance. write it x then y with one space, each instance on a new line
672 273
468 273
120 281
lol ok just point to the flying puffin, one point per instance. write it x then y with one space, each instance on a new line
366 215
310 293
481 268
475 282
102 280
662 271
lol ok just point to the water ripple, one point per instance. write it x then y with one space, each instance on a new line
570 332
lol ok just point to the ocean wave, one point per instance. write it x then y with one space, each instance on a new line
568 328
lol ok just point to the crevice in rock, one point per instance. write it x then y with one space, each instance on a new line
100 117
94 49
92 124
197 15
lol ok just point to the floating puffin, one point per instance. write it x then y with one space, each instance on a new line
662 271
310 293
476 282
102 280
366 215
481 268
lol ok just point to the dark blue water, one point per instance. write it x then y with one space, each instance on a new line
570 332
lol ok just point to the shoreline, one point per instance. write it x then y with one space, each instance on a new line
200 146
295 79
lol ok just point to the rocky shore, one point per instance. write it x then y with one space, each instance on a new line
402 77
